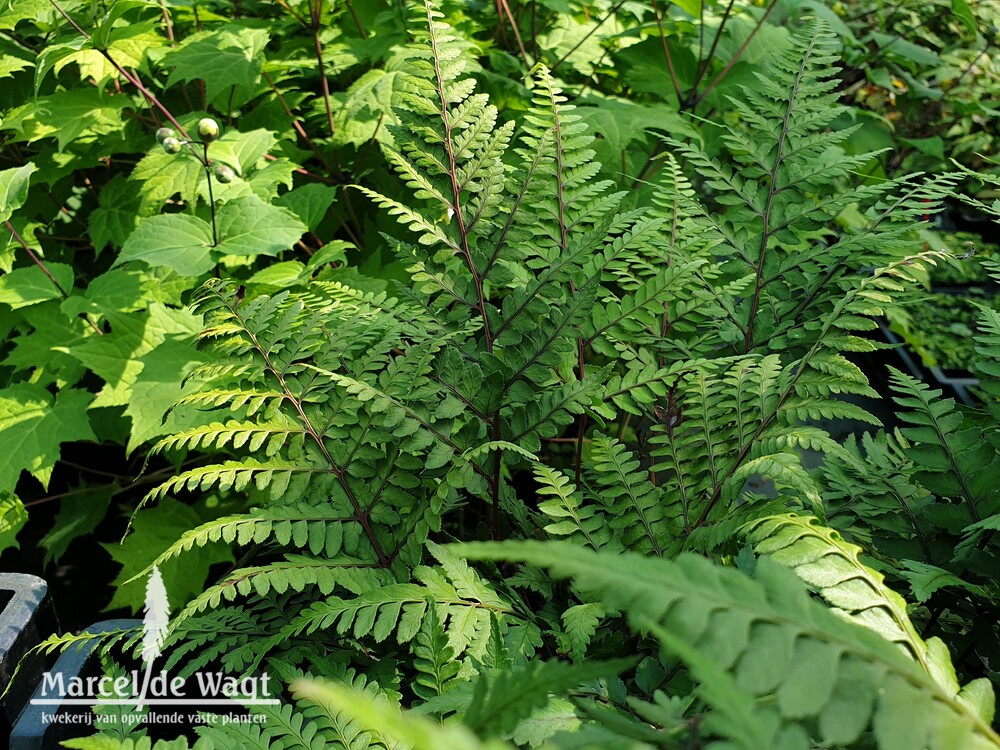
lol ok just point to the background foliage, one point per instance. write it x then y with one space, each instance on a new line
599 278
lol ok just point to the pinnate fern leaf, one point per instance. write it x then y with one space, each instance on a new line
497 701
832 567
809 667
434 659
954 462
387 721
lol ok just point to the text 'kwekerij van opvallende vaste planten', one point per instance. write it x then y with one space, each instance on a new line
528 374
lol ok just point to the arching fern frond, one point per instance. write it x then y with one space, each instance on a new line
776 194
952 459
832 568
386 721
811 672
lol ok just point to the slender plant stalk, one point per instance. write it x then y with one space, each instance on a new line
134 80
772 191
504 9
705 63
48 274
296 124
357 21
316 22
167 22
735 58
589 34
497 432
666 53
211 198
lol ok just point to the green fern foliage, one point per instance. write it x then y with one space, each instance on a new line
406 730
812 672
312 724
291 347
650 365
618 507
101 742
833 569
434 659
497 701
954 461
774 276
778 193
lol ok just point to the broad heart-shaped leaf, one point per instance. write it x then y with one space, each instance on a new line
30 285
160 384
117 356
13 516
117 290
622 121
153 531
249 226
14 189
163 175
79 514
101 36
116 217
68 115
227 59
33 425
242 151
11 64
178 241
15 11
309 202
367 108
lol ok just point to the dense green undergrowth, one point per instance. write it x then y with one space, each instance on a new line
486 367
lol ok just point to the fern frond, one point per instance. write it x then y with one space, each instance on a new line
571 517
496 702
988 351
385 721
294 573
290 727
107 742
832 567
802 664
954 462
641 385
635 506
317 724
434 658
728 422
222 635
580 624
253 400
773 229
313 527
273 475
271 436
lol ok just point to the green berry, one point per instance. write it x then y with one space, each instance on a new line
224 174
208 129
171 145
163 133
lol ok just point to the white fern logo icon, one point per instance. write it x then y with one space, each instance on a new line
156 619
215 687
155 622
